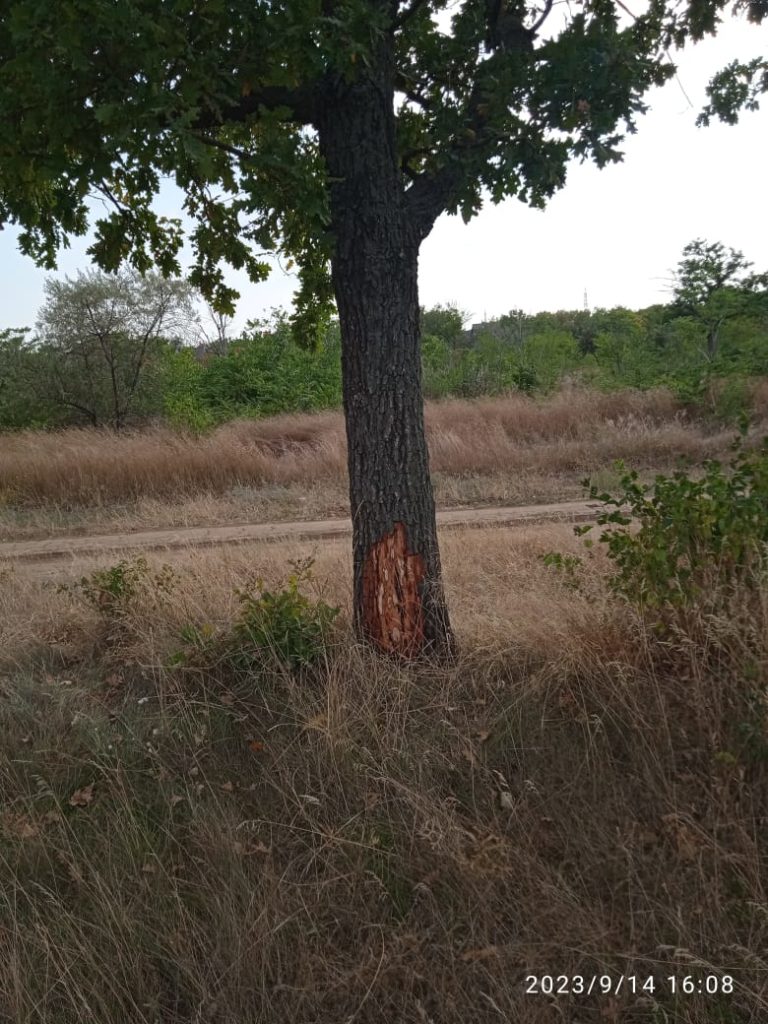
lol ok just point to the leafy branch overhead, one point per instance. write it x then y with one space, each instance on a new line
225 97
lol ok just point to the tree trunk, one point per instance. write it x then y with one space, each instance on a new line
398 594
713 337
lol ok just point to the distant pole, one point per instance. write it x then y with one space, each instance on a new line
586 301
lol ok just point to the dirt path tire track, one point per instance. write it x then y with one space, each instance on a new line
48 555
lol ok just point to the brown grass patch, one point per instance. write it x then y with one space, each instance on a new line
372 842
512 450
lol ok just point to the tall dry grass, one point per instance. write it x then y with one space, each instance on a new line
572 432
372 842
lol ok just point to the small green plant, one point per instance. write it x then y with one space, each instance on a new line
284 624
683 542
202 646
568 566
110 590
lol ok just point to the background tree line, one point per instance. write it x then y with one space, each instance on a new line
122 350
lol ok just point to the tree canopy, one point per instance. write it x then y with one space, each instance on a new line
224 97
713 286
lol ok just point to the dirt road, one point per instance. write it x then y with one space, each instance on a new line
50 555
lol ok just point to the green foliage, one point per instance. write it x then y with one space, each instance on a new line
738 86
545 358
284 627
22 405
567 566
446 323
267 371
110 590
240 108
100 338
688 542
284 624
624 350
731 400
184 405
261 374
113 590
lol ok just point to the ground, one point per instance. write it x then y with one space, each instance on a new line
191 833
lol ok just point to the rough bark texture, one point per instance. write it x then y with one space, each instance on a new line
398 594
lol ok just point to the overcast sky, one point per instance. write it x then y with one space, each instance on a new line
615 234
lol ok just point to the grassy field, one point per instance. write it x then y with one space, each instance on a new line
503 451
191 834
368 842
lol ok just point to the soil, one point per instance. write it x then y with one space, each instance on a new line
52 554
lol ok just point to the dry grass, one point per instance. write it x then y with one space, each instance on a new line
373 842
493 451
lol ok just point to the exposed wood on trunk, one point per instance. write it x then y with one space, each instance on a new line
393 578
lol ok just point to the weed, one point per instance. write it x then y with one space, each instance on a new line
568 566
111 590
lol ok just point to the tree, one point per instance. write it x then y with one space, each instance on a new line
516 322
19 407
713 288
97 334
215 336
444 322
335 132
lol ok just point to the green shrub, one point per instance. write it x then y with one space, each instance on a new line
683 542
731 399
284 624
111 591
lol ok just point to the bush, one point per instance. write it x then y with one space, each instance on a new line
284 624
110 590
683 542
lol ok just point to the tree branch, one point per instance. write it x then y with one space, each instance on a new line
300 101
428 197
548 5
225 147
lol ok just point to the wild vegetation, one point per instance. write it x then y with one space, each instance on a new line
339 148
112 352
492 451
218 806
220 802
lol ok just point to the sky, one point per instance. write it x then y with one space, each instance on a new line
611 237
